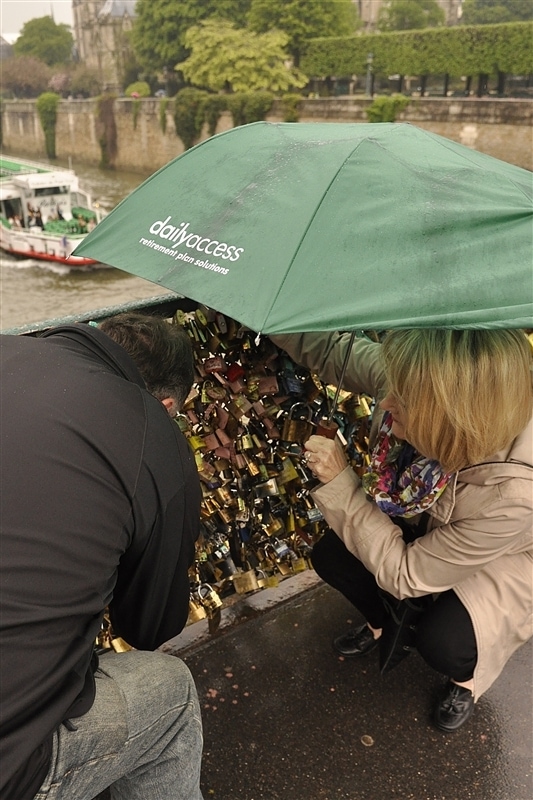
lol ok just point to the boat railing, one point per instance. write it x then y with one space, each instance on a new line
161 305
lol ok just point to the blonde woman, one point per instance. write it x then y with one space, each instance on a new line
447 534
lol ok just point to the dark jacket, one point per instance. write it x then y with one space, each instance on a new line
99 506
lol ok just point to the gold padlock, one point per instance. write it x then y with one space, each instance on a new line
208 597
196 611
245 581
297 426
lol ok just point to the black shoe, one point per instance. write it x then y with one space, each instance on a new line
454 709
356 642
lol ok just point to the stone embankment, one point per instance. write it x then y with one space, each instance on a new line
139 135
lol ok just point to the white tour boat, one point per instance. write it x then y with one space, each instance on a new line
44 213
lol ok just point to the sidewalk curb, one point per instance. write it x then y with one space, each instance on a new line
248 607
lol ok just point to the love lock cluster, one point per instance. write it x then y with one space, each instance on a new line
249 413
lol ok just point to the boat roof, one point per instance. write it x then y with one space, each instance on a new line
11 167
34 175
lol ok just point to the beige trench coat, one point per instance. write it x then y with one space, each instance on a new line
479 539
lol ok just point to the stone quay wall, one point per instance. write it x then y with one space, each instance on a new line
498 127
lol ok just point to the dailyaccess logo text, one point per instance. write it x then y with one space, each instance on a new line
180 235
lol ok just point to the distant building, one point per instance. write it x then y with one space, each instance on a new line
6 50
368 11
101 34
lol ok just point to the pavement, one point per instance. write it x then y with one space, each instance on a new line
286 719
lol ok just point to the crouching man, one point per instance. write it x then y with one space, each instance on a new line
99 508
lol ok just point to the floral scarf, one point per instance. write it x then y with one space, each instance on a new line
402 482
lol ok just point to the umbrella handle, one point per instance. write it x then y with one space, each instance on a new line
341 377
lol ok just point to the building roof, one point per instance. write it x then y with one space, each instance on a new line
118 8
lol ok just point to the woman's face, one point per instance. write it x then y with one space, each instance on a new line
399 417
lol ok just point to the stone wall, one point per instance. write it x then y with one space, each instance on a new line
500 128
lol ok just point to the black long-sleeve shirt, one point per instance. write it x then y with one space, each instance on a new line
99 507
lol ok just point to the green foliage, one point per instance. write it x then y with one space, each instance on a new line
136 107
385 109
224 58
461 50
84 82
405 15
47 104
302 20
42 38
291 103
24 76
491 12
163 105
214 105
160 26
106 127
189 107
140 88
246 107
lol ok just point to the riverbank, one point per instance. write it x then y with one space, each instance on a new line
144 135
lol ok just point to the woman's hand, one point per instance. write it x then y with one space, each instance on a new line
325 457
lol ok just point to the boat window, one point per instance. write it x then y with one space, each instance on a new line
49 190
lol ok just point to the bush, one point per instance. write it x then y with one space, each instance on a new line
85 82
138 89
24 76
384 109
290 103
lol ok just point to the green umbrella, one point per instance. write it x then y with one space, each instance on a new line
310 226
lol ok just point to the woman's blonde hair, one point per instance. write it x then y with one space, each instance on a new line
466 393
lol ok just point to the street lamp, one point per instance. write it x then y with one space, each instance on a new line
369 89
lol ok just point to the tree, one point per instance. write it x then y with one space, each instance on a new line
24 76
239 60
42 38
303 19
160 26
406 15
85 82
489 12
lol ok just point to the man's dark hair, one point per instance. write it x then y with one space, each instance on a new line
162 352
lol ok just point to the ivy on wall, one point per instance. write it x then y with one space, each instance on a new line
194 107
106 128
163 105
47 104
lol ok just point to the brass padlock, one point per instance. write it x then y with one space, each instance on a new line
297 426
208 597
245 581
196 611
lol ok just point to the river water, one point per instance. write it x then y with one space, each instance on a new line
31 291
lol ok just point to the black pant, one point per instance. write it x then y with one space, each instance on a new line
445 635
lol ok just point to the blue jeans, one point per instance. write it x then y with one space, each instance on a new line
142 737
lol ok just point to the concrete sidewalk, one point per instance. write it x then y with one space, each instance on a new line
287 719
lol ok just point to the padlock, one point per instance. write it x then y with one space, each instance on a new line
120 646
196 611
245 581
209 598
214 364
269 488
299 564
297 426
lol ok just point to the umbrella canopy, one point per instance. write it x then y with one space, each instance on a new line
309 226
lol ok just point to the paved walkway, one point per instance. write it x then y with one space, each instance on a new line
286 719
